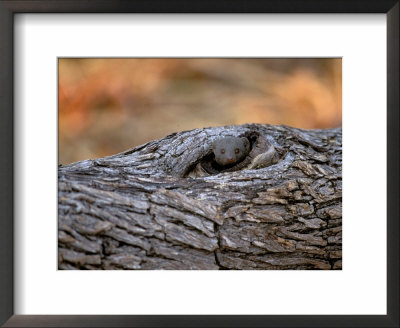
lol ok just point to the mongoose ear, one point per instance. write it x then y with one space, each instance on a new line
246 143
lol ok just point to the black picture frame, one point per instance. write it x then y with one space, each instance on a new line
11 7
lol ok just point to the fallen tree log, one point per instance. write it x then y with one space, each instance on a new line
147 208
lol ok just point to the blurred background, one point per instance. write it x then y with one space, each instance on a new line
109 105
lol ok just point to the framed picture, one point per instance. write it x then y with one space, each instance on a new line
44 42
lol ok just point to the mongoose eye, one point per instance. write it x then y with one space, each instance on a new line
237 151
222 151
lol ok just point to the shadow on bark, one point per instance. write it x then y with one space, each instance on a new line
167 205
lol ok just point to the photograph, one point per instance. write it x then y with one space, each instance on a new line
199 163
148 146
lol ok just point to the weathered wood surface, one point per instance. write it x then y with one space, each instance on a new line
140 210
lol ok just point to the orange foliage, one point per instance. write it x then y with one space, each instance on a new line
108 105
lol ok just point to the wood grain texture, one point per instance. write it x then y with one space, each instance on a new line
140 209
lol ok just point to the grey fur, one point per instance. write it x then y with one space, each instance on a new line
230 150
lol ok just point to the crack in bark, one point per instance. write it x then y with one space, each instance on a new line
134 210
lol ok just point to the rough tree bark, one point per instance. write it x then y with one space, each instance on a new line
140 209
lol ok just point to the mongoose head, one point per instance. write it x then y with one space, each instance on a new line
230 150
